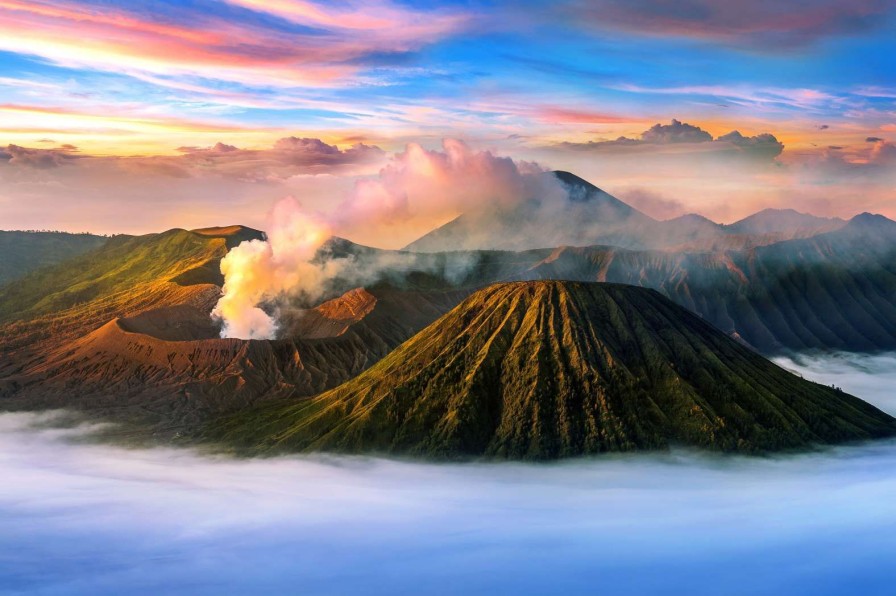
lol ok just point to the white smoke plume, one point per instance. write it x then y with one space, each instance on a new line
257 270
417 190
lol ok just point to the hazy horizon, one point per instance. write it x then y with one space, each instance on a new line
186 110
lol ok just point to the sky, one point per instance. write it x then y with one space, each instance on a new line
88 518
203 112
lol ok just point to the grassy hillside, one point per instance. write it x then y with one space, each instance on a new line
23 252
125 275
542 370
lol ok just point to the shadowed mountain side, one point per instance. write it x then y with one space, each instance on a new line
831 291
835 290
542 370
24 252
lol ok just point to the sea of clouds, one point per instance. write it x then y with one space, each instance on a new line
78 517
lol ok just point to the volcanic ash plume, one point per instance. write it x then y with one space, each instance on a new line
417 190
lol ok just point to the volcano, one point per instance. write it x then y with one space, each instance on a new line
550 369
582 214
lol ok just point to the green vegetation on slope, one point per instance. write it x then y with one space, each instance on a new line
539 370
125 276
121 265
24 252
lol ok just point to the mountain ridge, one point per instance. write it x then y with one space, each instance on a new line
590 216
548 369
23 252
830 291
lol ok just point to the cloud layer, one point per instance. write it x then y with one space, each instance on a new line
82 518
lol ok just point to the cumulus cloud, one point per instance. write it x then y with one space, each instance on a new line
676 132
222 184
761 25
687 137
883 153
86 518
836 164
308 153
288 156
762 146
38 158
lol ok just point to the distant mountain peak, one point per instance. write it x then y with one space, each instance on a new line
233 234
584 215
693 218
773 220
872 220
571 179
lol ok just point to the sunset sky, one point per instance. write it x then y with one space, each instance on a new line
197 113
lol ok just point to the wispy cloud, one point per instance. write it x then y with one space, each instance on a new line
557 114
766 97
194 42
757 26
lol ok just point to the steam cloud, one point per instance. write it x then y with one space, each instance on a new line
418 187
81 518
260 269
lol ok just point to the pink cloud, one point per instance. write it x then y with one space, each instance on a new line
249 51
555 114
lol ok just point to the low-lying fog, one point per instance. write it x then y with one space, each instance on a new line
77 517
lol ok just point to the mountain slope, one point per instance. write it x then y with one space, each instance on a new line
581 214
543 370
576 213
126 274
55 307
24 252
831 291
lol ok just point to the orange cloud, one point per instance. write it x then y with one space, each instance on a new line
102 130
566 115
